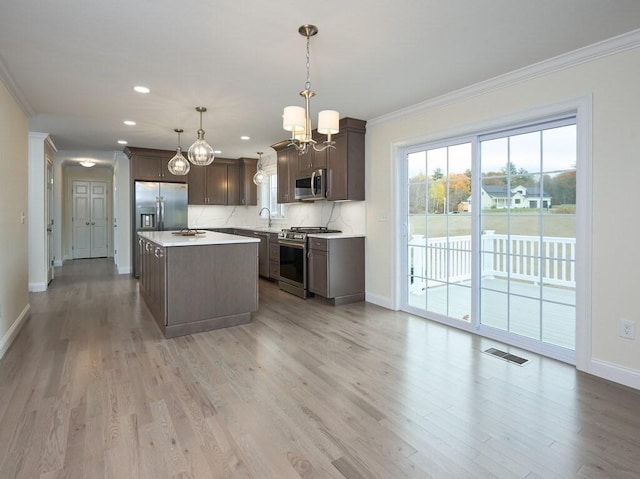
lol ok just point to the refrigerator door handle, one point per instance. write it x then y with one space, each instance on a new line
162 213
158 214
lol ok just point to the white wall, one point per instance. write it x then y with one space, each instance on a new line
613 83
14 270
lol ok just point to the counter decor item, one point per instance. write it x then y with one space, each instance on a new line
188 232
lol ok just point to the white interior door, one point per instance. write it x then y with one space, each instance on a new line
99 216
90 215
81 220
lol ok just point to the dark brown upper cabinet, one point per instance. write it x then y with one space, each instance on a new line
147 164
344 163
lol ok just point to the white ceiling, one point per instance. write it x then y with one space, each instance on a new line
73 64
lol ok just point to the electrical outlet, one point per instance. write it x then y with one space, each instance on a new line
627 329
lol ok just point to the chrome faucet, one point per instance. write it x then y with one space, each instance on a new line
268 211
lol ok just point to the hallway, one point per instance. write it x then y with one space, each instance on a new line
91 389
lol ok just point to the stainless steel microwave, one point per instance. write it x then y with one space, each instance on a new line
311 185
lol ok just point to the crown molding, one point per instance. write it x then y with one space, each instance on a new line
611 46
14 90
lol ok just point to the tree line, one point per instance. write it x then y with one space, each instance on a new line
441 193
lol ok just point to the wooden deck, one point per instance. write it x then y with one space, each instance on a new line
558 315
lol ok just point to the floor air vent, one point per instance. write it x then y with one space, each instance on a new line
512 358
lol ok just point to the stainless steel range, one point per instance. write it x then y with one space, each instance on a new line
293 257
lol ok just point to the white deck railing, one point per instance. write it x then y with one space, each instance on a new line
548 259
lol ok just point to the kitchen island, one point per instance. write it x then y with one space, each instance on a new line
198 283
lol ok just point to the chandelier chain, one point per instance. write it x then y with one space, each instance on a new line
308 83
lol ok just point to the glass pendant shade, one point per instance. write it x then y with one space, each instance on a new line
178 165
201 153
258 178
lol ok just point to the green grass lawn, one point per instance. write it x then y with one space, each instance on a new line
558 221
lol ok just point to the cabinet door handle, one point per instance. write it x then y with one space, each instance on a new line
87 223
93 223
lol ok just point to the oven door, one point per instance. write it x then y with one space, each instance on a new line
293 267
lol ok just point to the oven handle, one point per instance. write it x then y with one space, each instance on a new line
292 245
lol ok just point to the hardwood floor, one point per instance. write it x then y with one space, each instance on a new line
91 389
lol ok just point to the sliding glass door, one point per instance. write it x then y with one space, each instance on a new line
528 232
491 234
439 223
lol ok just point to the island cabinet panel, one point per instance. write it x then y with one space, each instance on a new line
214 281
335 269
152 283
189 289
147 164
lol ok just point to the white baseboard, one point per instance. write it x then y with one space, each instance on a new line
13 331
615 373
57 262
37 287
383 301
124 270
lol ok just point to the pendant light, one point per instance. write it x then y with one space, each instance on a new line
178 165
297 120
258 178
201 153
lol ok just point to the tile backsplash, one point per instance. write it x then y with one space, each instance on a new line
348 216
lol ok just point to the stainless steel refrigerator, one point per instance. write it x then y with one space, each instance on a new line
158 207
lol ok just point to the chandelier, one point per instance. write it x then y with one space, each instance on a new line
200 153
258 178
178 165
297 120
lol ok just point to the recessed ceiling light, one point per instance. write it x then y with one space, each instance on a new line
122 142
141 89
130 122
245 137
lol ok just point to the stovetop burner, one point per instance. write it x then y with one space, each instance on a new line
299 233
312 229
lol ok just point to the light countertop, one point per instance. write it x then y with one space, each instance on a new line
167 239
335 235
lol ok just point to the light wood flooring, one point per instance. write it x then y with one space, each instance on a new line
91 389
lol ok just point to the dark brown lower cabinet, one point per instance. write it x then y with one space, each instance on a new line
189 289
335 269
274 257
